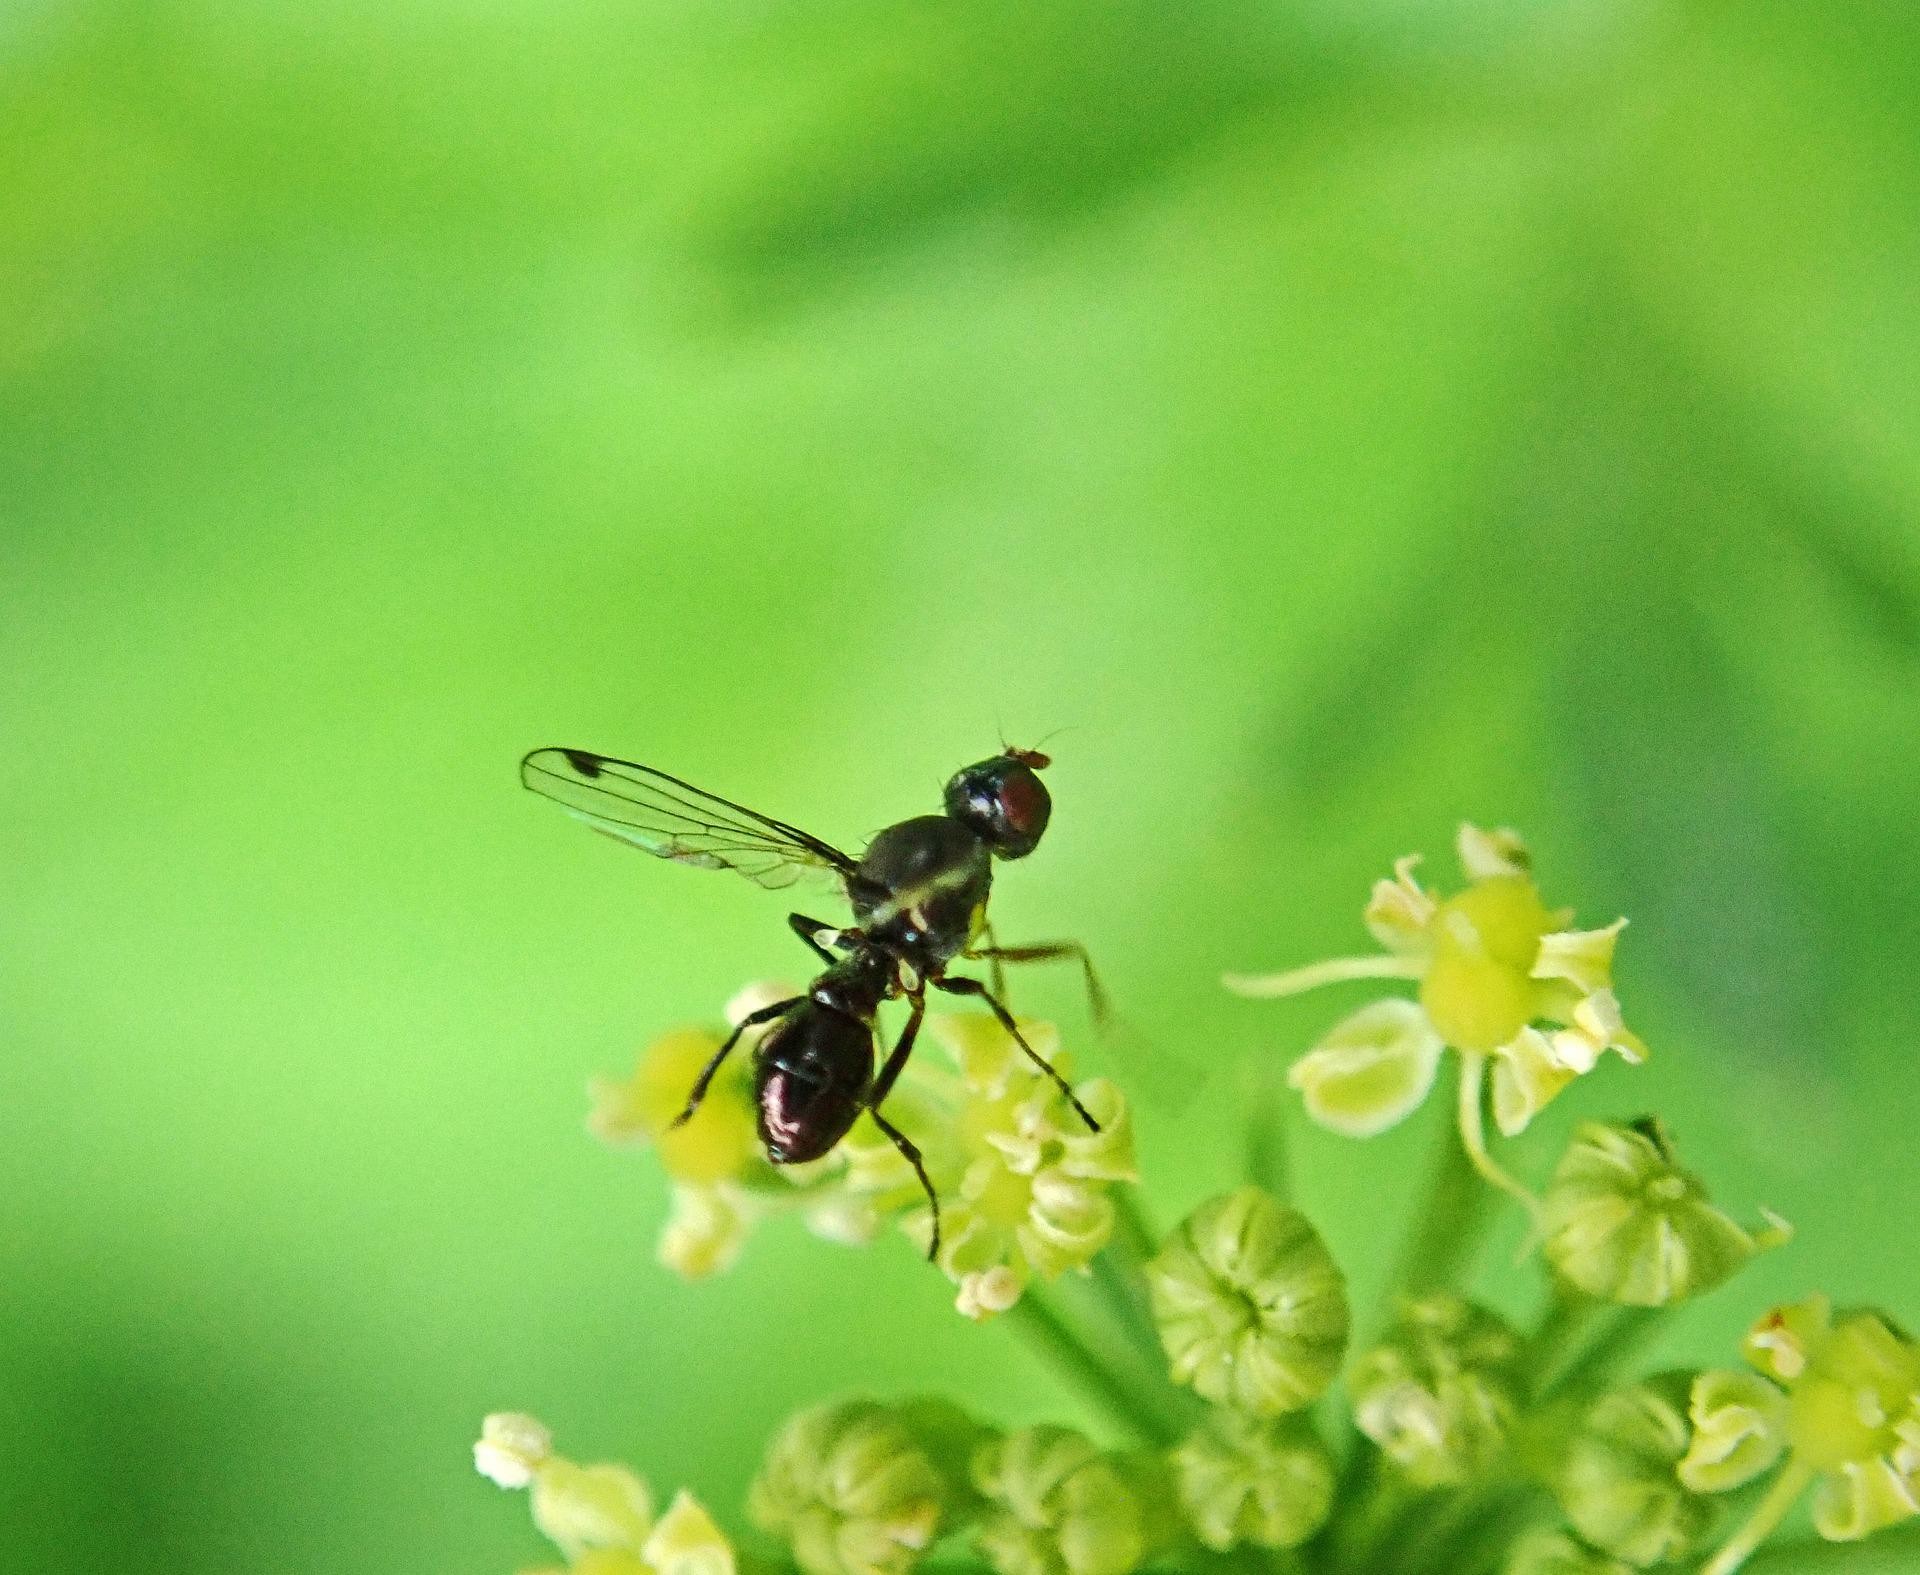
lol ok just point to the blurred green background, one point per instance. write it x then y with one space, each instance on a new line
1341 417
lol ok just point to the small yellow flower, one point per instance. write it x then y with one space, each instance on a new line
719 1142
1500 978
1853 1411
599 1516
713 1160
1032 1196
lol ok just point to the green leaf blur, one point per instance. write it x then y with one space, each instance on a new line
1339 419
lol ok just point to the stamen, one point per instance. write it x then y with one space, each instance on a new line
1264 986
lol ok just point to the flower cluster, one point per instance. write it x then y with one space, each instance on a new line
1033 1197
1025 1184
599 1517
1846 1407
1454 1437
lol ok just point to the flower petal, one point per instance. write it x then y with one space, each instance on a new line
687 1542
581 1507
1486 854
1527 1073
511 1448
1398 913
1371 1071
1739 1431
1861 1498
1583 957
704 1233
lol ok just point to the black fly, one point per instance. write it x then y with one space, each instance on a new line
919 899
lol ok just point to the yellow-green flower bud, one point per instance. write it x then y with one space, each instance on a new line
1544 1552
685 1541
582 1507
512 1446
1626 1223
1250 1306
1246 1479
1056 1505
1440 1393
1739 1430
854 1489
1619 1481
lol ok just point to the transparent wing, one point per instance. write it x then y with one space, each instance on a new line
675 820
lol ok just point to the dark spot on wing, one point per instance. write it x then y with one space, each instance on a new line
587 765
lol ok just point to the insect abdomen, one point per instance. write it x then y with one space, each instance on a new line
813 1071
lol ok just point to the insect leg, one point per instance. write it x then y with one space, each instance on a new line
1048 951
905 1144
810 931
996 971
897 1061
883 1086
766 1014
953 984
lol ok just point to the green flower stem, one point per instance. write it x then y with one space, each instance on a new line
1568 1317
1268 1164
1447 1228
1110 1302
1041 1325
1898 1548
1370 1506
1133 1232
1617 1339
1120 1290
1120 1274
1473 1132
1793 1481
1476 1532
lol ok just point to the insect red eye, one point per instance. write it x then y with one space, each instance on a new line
1020 802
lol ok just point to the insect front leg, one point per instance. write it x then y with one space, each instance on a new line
766 1014
1049 951
810 931
953 984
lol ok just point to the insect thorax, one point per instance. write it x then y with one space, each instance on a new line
921 888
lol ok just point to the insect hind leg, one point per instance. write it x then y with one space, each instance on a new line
766 1014
956 985
995 955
